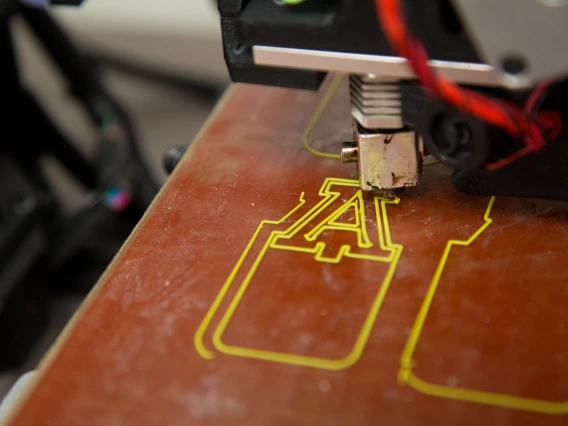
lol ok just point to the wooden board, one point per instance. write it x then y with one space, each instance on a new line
263 288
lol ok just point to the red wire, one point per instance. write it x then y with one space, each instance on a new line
390 16
510 159
536 95
509 117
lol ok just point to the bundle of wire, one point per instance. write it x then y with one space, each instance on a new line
534 127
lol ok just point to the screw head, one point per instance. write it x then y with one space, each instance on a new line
513 65
172 156
455 134
349 152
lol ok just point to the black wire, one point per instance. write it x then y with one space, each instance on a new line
543 97
55 142
86 86
67 57
146 188
192 87
533 117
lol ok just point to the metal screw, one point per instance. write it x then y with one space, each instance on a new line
172 157
349 152
455 133
514 65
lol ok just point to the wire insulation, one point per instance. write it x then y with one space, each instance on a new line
528 124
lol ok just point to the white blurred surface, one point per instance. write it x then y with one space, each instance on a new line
179 36
16 392
152 16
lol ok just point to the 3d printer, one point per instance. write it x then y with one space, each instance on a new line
479 84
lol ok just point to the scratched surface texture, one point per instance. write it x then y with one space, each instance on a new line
208 318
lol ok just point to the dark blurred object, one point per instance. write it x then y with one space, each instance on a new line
47 3
67 2
172 157
23 239
38 240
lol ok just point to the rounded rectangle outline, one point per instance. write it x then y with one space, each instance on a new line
385 244
406 376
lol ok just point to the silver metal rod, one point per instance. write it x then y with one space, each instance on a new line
355 63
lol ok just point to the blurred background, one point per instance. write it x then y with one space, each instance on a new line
74 185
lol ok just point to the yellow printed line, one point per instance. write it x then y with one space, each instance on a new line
489 398
406 359
329 198
344 250
317 115
198 339
308 361
329 222
406 375
336 82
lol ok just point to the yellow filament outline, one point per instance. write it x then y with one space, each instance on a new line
406 376
329 198
359 227
198 339
385 243
335 83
